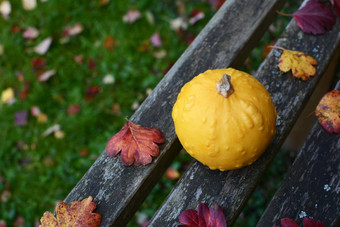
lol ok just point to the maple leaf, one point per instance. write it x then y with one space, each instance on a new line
314 17
79 214
136 143
301 64
328 111
205 217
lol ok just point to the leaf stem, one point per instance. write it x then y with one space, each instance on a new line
284 14
276 47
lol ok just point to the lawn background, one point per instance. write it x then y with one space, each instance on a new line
37 171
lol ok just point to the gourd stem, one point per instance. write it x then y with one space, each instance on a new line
224 86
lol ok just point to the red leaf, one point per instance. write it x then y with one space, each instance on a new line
336 5
91 92
205 217
109 43
286 222
309 222
38 63
216 4
136 143
91 64
73 109
328 111
314 17
189 218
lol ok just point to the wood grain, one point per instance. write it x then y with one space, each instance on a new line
232 189
312 186
226 40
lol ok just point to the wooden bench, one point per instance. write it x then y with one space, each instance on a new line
226 41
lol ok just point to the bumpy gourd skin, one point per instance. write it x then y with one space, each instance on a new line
224 133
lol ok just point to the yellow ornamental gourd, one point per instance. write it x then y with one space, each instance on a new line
224 118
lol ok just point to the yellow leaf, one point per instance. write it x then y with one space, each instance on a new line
300 63
79 214
7 95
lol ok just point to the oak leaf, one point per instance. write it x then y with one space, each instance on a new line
328 111
136 143
79 214
301 64
314 17
204 216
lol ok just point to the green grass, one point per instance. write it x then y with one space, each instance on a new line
36 171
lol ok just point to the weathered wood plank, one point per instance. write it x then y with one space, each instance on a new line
226 40
312 186
232 189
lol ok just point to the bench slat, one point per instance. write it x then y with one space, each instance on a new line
226 40
312 186
232 189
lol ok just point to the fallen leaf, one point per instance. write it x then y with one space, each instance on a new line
328 111
79 59
7 95
172 174
20 118
131 16
38 63
5 9
109 43
195 16
307 222
29 4
336 5
179 23
208 217
19 222
137 144
79 214
35 111
91 64
216 4
108 79
103 2
58 134
5 196
73 30
73 109
3 223
301 64
43 47
314 17
91 92
51 130
155 40
42 118
83 152
45 76
30 33
160 54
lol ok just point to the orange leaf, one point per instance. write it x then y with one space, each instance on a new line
79 214
328 111
300 63
136 143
